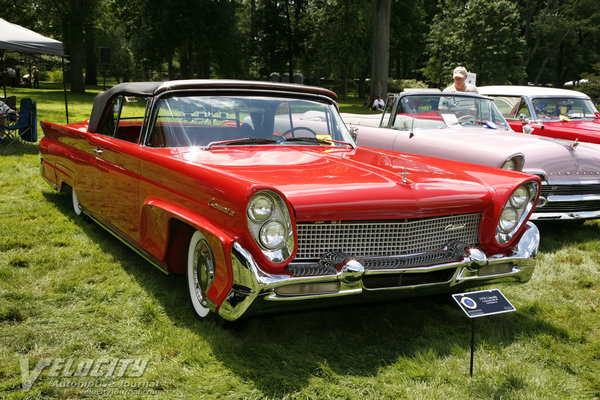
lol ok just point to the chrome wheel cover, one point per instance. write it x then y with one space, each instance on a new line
201 272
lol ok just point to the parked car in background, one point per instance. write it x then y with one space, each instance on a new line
558 113
469 127
257 192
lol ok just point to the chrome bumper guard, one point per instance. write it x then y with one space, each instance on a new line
255 291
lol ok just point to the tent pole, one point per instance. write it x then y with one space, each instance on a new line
65 89
3 72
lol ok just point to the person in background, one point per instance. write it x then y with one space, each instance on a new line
36 77
378 104
460 82
12 75
5 113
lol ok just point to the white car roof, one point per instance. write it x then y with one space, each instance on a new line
532 91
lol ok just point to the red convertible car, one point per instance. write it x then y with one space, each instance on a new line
258 193
556 113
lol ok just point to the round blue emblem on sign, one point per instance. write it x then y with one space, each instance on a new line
468 302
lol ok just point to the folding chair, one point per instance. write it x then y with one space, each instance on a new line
26 125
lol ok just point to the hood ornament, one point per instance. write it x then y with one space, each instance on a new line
404 174
575 144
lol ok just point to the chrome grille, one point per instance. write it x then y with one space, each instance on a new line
385 238
568 206
570 190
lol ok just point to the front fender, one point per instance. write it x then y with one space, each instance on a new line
159 238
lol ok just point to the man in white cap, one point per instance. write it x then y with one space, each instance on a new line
460 82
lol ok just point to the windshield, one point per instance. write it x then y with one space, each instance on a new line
555 108
207 121
439 111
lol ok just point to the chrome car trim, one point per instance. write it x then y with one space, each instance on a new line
573 198
255 289
213 203
126 242
384 238
571 182
572 215
561 200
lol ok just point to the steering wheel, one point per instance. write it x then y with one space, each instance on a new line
467 119
296 128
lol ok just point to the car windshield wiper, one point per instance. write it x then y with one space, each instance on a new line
313 140
241 141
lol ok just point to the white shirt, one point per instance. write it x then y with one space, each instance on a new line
378 104
470 88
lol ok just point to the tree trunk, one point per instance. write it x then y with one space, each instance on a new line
91 72
290 42
380 49
77 48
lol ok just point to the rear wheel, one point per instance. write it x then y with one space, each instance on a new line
200 273
76 205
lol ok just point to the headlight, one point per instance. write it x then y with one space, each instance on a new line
272 234
270 225
519 197
260 208
514 162
515 211
509 164
508 220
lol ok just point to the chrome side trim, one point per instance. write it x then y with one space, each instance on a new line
254 288
122 239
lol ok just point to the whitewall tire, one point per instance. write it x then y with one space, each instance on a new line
76 205
200 272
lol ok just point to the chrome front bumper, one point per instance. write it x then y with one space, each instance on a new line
255 291
568 200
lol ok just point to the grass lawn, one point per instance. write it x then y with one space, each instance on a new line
70 293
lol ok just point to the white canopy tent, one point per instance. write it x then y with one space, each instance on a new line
16 38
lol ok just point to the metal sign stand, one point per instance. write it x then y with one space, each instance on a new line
472 345
482 304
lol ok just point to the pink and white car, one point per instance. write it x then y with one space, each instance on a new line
470 128
557 113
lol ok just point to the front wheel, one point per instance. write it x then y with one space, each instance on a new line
200 273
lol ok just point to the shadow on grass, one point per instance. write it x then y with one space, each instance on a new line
280 353
18 148
558 234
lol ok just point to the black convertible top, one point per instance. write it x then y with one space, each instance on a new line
104 99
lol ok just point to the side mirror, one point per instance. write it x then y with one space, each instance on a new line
523 119
354 132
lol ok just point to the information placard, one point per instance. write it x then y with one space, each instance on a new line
483 303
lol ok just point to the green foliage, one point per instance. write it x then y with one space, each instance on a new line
562 39
592 87
496 54
408 33
327 41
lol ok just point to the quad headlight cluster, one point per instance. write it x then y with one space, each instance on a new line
270 225
515 211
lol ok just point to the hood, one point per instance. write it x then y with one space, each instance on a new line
324 183
545 156
588 127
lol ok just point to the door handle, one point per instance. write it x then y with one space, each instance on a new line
98 151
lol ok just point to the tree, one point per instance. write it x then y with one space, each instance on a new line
339 50
380 48
408 29
495 55
562 39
